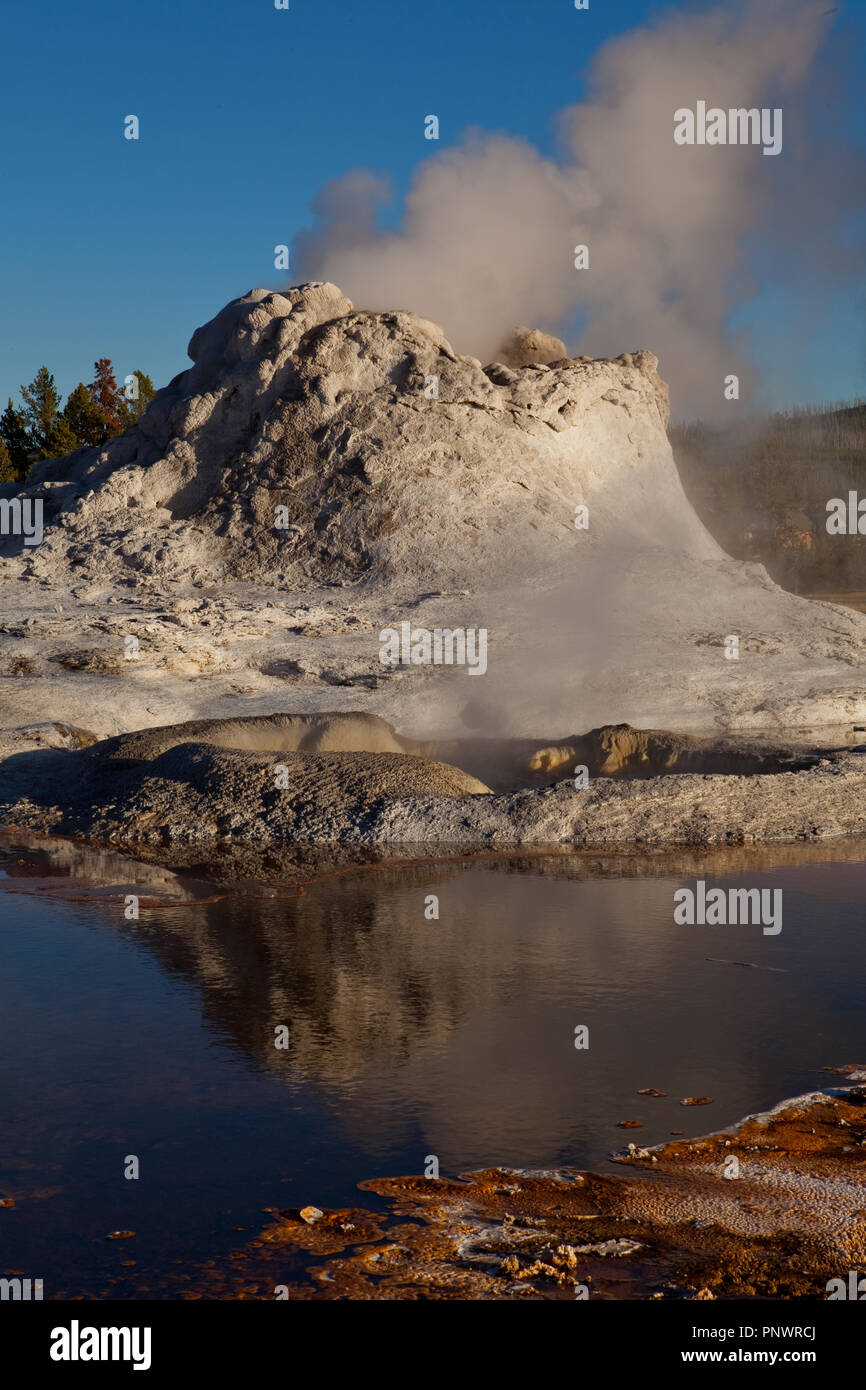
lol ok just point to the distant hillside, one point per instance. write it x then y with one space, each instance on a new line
762 490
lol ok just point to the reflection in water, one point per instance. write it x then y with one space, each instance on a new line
408 1036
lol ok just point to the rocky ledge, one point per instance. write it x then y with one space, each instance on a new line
306 780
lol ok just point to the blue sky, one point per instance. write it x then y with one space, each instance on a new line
121 248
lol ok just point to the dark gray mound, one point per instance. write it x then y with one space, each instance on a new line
196 791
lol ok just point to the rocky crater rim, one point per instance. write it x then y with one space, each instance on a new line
313 780
611 751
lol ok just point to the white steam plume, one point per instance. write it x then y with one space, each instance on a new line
489 228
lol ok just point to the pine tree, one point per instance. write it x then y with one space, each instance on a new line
134 409
104 392
62 439
41 408
13 432
84 418
8 473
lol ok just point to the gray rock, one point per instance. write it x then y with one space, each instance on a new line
526 347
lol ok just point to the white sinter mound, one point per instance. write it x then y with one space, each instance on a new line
321 473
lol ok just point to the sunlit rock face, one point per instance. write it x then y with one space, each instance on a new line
393 458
